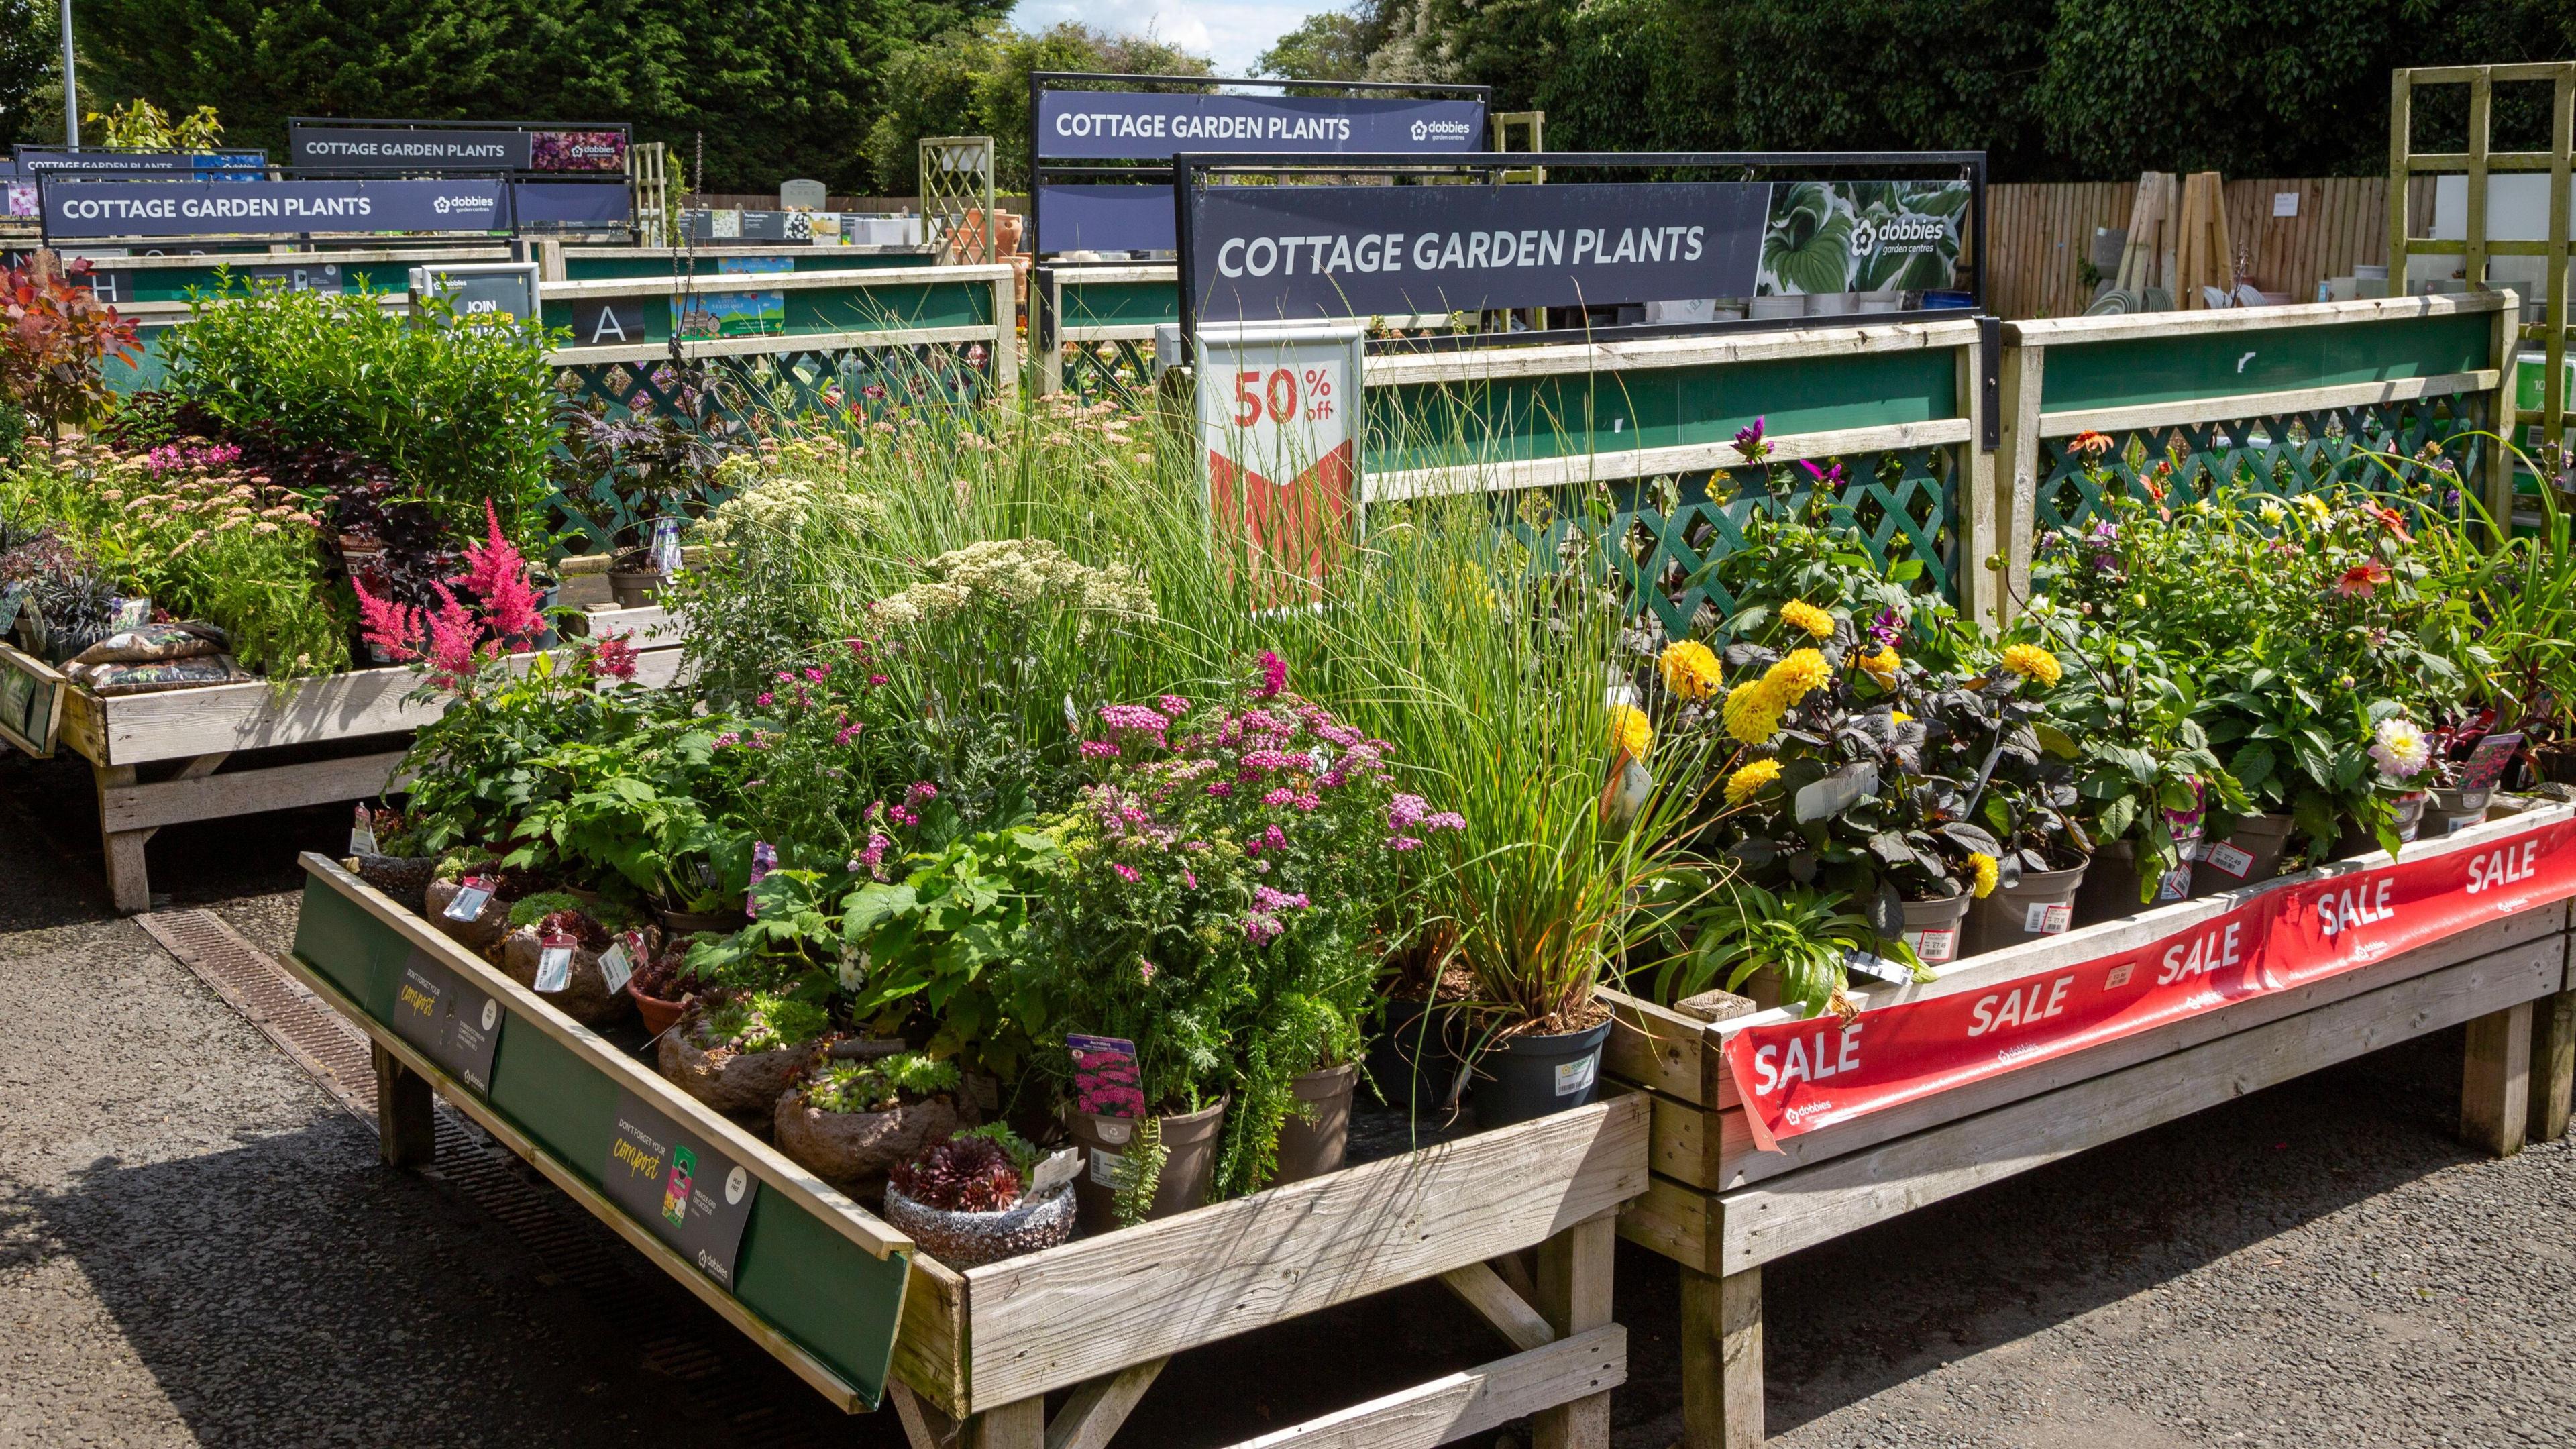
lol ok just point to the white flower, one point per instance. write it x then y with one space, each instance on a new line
2401 749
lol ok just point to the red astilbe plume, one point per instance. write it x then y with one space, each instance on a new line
397 630
497 575
453 635
613 657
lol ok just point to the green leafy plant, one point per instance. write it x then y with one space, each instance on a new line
764 1021
933 945
1803 935
879 1085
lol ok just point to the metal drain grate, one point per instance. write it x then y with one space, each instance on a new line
760 1403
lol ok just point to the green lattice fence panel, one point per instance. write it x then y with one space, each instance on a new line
1661 531
2284 454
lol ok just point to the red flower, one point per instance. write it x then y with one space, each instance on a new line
2393 521
613 657
498 576
2362 580
2089 445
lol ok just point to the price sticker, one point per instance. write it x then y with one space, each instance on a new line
2047 920
554 964
2228 858
1934 946
2175 886
1576 1076
471 898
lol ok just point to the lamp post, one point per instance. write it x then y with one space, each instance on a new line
71 84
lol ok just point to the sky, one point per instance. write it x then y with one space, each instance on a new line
1233 32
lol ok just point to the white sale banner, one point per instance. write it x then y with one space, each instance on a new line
1279 431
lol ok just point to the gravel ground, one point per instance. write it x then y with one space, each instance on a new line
197 1246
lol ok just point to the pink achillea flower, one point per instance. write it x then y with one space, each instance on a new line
1274 676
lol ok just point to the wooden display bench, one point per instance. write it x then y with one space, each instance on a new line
209 754
969 1356
1721 1208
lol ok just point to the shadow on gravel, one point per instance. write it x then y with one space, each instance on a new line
49 841
1984 1269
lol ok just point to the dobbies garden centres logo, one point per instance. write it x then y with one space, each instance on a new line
452 203
1439 130
1861 236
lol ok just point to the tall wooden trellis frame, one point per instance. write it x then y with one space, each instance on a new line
2478 163
956 181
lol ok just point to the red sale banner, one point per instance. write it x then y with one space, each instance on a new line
1799 1076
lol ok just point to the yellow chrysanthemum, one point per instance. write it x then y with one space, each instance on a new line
1744 784
1690 670
1799 614
1987 873
1898 716
2032 662
1750 714
1794 678
1881 666
1630 731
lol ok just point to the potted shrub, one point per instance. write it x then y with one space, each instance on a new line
633 480
469 898
738 1051
850 1120
385 852
976 1199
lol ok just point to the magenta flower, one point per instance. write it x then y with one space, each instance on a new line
1220 789
1174 705
1278 797
1099 750
1274 676
1126 872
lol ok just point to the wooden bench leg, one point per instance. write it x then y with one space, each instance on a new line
2553 1064
2495 1087
1013 1426
406 1129
129 885
1574 1279
1721 1360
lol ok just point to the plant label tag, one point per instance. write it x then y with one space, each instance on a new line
1105 1080
2175 886
2486 763
2457 823
554 964
1576 1076
1876 968
2229 859
1108 1169
470 900
2039 919
133 613
706 874
1057 1170
362 835
666 545
1935 945
615 968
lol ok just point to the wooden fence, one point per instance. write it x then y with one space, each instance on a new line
2044 233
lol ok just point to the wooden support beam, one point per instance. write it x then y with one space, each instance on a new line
1097 1408
1721 1360
1012 1426
2553 1064
406 1125
1574 1277
129 880
197 793
1510 1313
1479 1400
923 1424
2495 1087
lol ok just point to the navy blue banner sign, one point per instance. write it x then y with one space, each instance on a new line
63 161
354 146
255 208
1144 126
1105 218
1270 253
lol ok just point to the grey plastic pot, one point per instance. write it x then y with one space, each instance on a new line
1189 1143
2263 839
2410 822
637 588
1531 1076
2043 904
1933 928
1318 1129
1414 1061
2455 810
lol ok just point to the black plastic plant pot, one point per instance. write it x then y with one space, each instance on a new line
1415 1062
1531 1076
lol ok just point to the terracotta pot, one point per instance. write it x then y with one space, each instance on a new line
967 1240
725 1079
659 1015
1189 1146
477 935
2455 810
848 1148
1312 1145
585 997
637 588
2042 905
2256 845
1932 928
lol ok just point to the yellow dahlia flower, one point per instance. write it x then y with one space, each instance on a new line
1881 666
2032 662
1799 614
1987 873
1630 731
1689 669
1750 714
1794 678
1744 784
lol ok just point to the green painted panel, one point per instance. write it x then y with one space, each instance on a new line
833 309
1100 304
2225 364
1571 414
839 1302
588 268
173 284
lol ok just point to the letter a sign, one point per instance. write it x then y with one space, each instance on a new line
1279 430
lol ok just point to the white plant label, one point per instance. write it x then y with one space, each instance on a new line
2040 919
362 835
554 965
1108 1169
470 900
2175 886
1936 945
2229 859
1877 968
1576 1076
2457 823
614 967
1056 1171
666 545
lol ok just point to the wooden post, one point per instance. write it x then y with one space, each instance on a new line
2500 464
2400 171
129 882
1980 589
1012 1426
1574 1276
2495 1087
406 1129
2553 1064
1721 1360
1046 328
2017 466
2562 145
2473 252
1006 334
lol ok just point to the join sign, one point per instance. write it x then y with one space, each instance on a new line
1279 428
